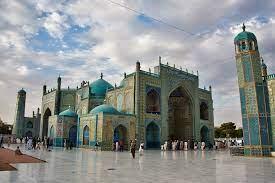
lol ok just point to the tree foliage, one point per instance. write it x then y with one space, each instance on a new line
228 130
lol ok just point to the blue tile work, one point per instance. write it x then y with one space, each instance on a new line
247 71
246 132
254 130
242 96
254 100
261 99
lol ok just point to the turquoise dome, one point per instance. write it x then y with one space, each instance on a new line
99 87
245 36
105 109
69 112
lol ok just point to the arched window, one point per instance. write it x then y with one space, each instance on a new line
204 111
152 102
243 45
86 135
29 124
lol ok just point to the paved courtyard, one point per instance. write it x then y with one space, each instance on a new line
83 165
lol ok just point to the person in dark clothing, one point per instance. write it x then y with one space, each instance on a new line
1 141
96 146
34 143
71 144
133 148
48 143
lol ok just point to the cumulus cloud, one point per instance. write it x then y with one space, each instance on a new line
116 38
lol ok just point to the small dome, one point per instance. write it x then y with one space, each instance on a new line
22 91
69 112
105 109
245 36
99 87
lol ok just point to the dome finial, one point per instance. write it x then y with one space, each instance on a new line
262 60
101 75
243 27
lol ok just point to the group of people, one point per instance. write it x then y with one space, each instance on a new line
119 146
35 143
187 145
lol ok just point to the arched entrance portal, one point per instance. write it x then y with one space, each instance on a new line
205 135
121 136
180 120
86 133
46 116
29 134
152 136
73 135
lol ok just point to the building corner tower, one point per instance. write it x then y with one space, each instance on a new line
19 114
253 96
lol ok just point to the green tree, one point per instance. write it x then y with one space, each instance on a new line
228 129
239 133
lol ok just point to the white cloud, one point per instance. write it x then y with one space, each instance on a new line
56 25
117 34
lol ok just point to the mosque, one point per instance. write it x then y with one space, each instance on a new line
151 107
257 96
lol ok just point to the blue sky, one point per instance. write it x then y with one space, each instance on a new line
79 39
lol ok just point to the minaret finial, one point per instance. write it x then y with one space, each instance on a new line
262 60
160 59
243 27
101 75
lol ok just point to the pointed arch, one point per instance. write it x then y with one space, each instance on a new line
86 135
121 136
204 132
204 113
152 101
180 114
73 135
46 116
152 136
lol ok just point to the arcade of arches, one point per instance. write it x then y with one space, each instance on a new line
180 121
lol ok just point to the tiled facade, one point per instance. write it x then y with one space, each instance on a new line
151 107
254 96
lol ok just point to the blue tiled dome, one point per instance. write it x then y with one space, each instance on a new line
99 87
105 109
245 36
69 112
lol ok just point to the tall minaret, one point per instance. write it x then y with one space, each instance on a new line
58 96
253 95
19 114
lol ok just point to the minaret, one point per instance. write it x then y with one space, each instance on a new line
58 96
137 102
253 96
19 114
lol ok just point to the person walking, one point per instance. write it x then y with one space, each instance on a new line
34 143
141 148
133 148
1 141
